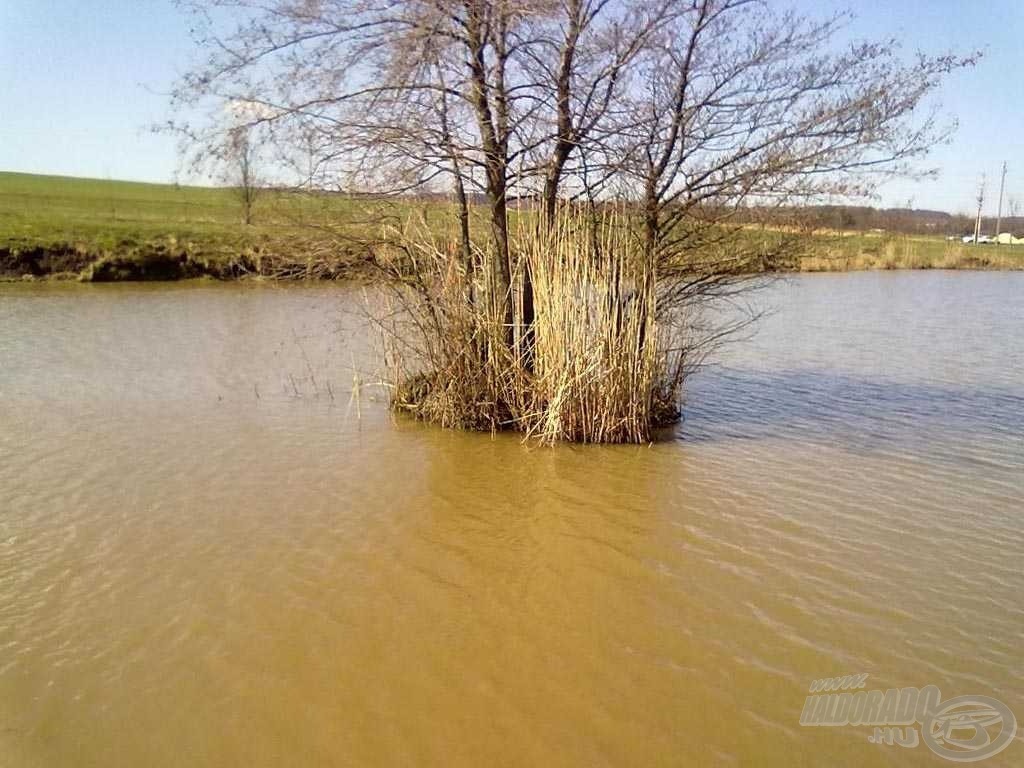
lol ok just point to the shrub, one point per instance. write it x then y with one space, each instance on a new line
599 362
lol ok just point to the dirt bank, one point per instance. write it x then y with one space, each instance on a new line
162 262
40 261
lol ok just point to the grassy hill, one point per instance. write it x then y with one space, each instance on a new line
41 210
76 222
99 229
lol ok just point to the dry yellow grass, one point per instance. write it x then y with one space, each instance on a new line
595 367
908 252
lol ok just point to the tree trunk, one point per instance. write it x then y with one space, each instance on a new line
500 272
495 146
465 244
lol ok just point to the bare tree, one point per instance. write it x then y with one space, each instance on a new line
488 94
241 162
690 111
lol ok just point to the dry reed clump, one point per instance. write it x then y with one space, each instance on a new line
594 365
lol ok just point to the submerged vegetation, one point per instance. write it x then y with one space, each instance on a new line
600 361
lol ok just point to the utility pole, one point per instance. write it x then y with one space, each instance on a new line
981 202
999 214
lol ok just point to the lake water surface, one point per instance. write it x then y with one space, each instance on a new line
211 556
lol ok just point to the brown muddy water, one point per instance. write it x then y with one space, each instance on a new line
208 557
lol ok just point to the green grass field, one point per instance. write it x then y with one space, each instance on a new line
43 210
116 219
99 219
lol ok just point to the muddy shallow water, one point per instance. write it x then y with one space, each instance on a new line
211 556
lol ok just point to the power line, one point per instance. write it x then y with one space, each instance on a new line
999 213
981 202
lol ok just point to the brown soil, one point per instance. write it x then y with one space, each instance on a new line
42 261
160 262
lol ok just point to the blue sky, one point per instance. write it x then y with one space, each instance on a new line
80 81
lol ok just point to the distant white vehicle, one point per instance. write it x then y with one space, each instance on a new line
969 239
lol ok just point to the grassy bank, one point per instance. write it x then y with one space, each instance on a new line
845 252
93 229
114 230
